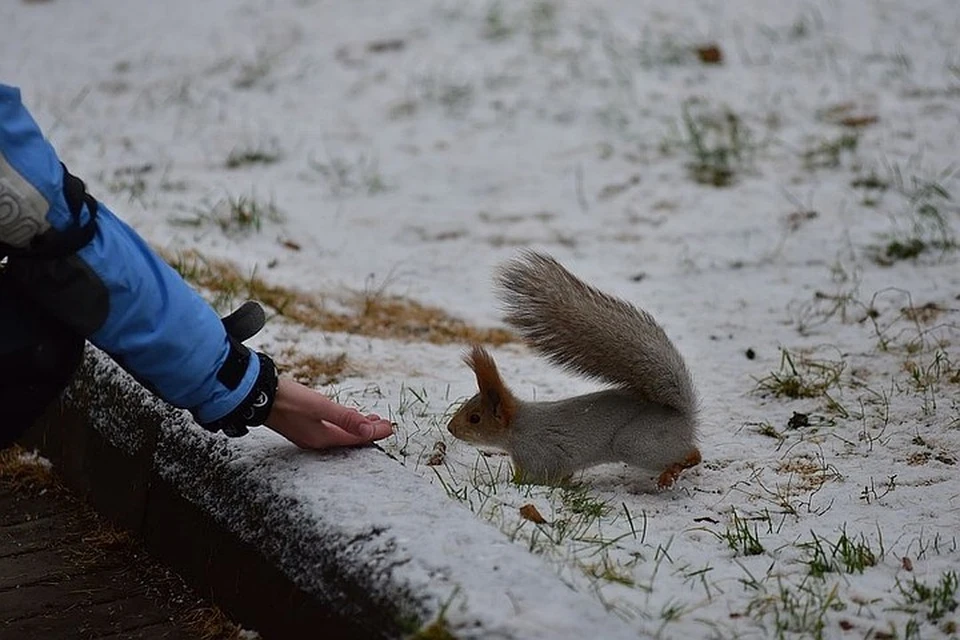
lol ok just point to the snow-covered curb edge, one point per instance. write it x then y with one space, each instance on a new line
364 546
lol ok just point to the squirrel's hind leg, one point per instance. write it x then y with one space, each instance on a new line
670 474
660 440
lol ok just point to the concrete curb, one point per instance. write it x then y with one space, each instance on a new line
300 544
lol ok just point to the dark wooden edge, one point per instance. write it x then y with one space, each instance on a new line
236 576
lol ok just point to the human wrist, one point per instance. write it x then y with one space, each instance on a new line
255 407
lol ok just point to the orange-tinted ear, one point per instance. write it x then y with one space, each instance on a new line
496 397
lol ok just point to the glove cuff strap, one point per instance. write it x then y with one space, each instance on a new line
255 408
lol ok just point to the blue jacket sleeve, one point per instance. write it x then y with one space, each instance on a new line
158 327
114 290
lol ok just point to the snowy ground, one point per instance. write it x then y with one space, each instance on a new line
787 214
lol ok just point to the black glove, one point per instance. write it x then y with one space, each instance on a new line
241 325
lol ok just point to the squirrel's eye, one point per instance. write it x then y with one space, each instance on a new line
474 418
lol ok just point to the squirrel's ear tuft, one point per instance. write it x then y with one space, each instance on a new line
479 359
493 391
471 357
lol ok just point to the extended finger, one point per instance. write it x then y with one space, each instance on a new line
368 431
335 436
381 429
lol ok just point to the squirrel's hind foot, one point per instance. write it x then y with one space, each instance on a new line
671 473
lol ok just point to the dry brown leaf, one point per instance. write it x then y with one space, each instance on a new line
529 512
710 54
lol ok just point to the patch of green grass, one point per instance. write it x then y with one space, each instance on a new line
719 142
496 25
909 248
609 571
672 611
543 20
539 19
131 181
575 526
256 155
927 378
935 601
797 611
846 555
454 95
870 182
925 228
928 232
828 154
741 538
578 500
351 176
235 215
244 214
921 188
897 250
802 377
412 404
255 73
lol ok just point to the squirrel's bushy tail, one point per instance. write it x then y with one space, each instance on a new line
593 333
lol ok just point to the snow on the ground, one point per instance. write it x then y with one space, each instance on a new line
412 146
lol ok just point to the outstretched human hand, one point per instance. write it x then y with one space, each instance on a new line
312 421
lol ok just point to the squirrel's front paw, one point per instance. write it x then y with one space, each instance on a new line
671 473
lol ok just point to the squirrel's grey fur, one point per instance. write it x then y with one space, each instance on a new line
648 416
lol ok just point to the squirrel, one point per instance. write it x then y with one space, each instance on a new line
646 418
